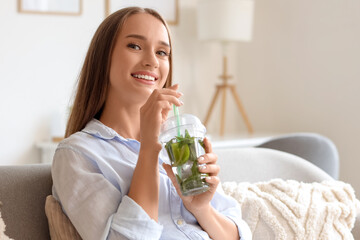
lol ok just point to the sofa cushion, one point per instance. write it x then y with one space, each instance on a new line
60 226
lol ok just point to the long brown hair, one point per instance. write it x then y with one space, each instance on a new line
93 80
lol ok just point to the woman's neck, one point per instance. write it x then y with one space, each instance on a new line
124 120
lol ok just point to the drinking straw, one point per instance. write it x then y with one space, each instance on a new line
176 113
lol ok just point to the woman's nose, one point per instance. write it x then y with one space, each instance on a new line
150 60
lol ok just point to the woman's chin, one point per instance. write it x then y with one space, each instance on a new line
145 94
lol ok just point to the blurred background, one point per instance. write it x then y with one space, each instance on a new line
299 73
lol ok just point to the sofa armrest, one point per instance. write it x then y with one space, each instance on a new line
313 147
261 164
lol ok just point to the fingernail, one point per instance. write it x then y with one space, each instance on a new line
181 102
201 159
181 94
202 167
208 178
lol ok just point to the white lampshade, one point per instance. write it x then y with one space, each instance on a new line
225 20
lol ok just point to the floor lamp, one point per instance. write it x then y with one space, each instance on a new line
225 21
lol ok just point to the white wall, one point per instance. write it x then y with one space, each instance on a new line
299 74
303 73
40 57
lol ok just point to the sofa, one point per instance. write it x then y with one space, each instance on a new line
24 188
23 191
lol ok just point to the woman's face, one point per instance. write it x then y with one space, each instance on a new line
140 60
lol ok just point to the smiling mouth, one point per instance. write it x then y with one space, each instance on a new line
145 77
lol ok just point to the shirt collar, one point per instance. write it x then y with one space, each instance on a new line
99 130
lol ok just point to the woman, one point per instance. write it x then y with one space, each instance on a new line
108 173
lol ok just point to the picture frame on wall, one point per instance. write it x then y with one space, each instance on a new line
60 7
169 9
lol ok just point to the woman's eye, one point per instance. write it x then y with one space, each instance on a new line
162 53
134 46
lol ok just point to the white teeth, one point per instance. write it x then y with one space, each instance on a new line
146 77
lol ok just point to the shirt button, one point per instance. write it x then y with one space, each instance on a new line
180 222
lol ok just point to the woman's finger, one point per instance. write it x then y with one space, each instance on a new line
170 98
211 169
207 144
168 170
161 95
208 158
167 91
173 87
213 181
160 106
172 177
172 90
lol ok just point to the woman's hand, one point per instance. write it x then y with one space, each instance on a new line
220 227
154 112
198 203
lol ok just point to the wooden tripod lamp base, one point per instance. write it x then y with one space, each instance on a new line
223 87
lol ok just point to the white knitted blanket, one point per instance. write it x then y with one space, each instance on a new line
280 209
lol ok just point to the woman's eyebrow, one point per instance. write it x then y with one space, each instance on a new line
136 36
144 38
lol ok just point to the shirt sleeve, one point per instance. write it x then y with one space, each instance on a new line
94 205
133 218
230 208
